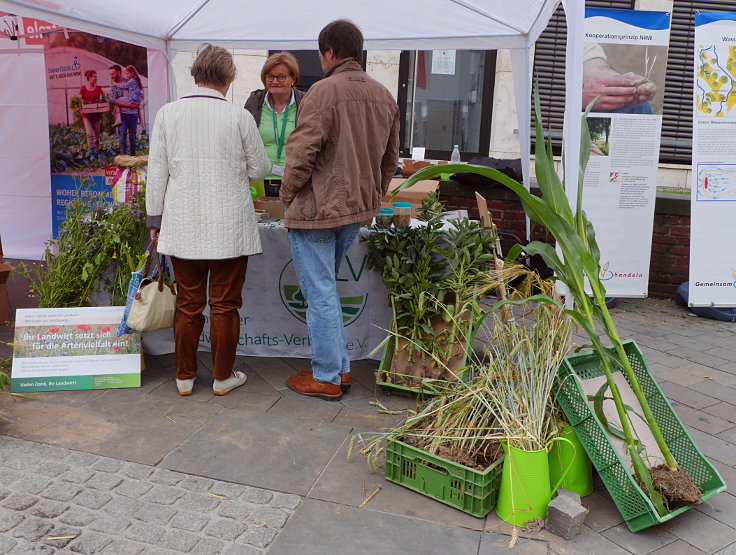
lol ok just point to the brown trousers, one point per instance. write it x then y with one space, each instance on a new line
226 278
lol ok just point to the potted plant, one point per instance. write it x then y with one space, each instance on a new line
677 483
432 273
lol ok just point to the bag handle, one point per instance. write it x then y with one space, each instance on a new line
153 251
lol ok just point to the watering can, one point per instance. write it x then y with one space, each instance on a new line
525 488
580 473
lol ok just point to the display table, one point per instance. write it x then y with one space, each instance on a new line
273 317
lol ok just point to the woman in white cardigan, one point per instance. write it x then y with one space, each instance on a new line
204 151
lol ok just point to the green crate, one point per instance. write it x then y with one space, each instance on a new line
428 387
471 491
635 507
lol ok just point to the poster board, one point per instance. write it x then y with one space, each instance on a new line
73 348
713 189
620 183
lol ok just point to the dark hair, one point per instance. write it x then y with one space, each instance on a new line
134 71
344 38
116 67
89 73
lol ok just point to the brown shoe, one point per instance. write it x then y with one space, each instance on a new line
344 378
307 385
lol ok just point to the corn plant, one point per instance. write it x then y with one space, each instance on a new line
579 263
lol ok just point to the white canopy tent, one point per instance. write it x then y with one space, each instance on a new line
182 25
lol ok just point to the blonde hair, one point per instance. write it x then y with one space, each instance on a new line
285 58
214 65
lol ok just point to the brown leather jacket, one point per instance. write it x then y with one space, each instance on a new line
343 153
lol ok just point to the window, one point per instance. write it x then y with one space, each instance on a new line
310 69
549 67
446 99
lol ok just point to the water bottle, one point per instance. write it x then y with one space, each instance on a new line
455 156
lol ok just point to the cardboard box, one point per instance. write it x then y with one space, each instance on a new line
414 194
272 205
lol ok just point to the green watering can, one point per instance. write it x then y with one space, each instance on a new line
525 488
580 470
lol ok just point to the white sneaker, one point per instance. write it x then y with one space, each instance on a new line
223 387
185 386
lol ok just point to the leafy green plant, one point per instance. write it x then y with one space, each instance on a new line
578 265
97 248
431 275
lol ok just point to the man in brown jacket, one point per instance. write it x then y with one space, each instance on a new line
339 162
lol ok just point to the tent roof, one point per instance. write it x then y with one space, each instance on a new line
295 24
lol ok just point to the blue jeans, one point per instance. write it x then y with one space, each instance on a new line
129 130
317 254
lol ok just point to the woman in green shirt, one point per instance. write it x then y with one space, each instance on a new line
274 108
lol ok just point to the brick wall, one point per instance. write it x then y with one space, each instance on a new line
670 242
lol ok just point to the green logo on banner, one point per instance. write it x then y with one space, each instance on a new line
295 302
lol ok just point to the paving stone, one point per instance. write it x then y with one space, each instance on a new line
90 542
166 477
208 546
702 531
678 547
714 447
9 476
259 536
6 544
137 470
78 458
239 510
179 540
273 518
123 506
65 535
722 507
20 461
195 483
226 529
62 491
565 517
133 488
716 390
103 481
242 550
93 499
155 513
226 489
4 492
19 501
492 544
48 509
77 475
188 520
643 541
702 419
111 466
123 547
257 495
51 469
164 495
32 484
285 501
198 502
146 533
9 519
25 548
686 395
32 528
108 524
77 516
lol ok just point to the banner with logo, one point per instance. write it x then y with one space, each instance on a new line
713 192
73 348
273 317
624 67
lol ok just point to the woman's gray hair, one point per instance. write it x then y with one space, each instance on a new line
214 66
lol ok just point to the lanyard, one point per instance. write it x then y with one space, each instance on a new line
282 140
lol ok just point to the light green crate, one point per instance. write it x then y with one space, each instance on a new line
472 491
634 505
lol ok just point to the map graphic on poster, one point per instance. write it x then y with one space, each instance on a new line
715 82
716 182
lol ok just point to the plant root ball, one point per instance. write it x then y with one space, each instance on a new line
676 486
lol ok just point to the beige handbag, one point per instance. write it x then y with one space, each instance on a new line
154 303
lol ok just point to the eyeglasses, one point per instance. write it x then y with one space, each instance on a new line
280 78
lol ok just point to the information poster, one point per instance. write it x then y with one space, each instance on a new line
443 62
624 67
713 198
73 348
